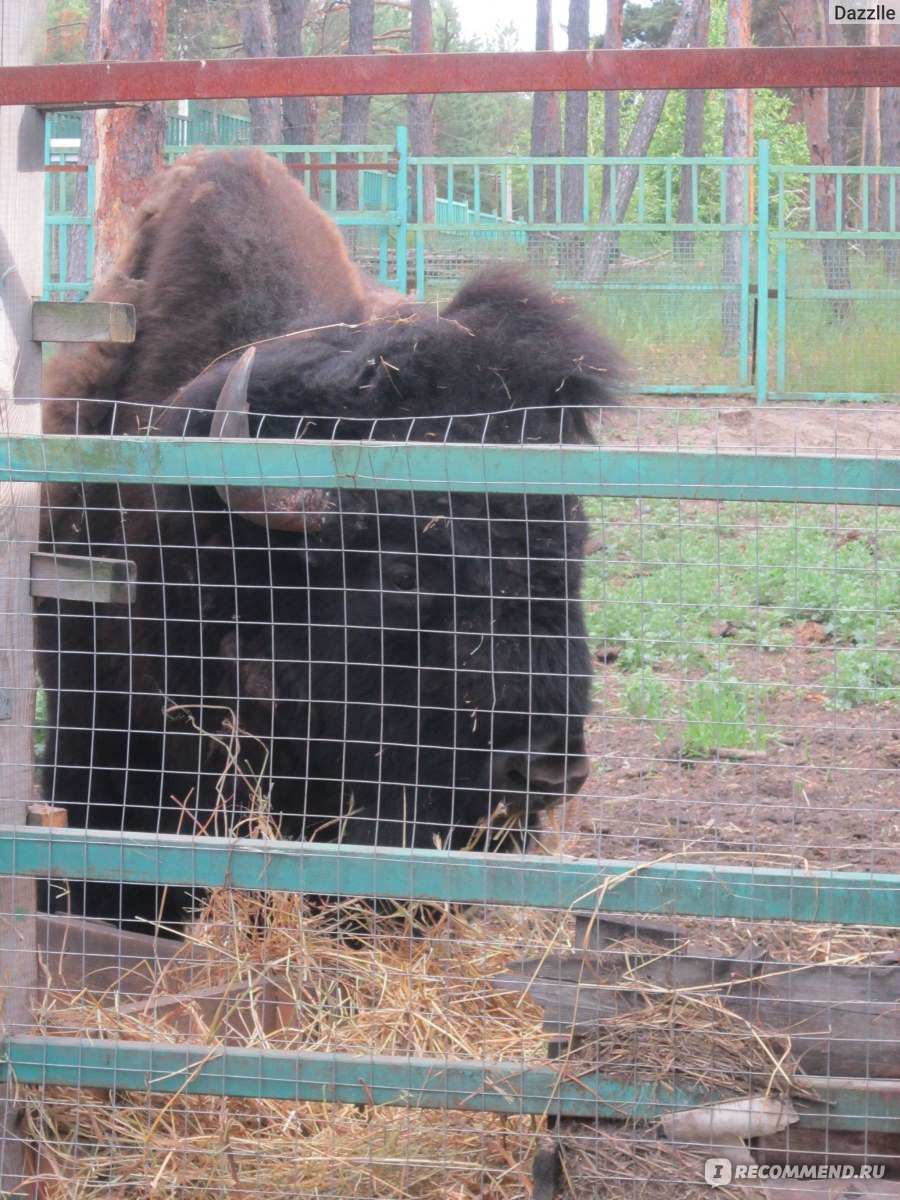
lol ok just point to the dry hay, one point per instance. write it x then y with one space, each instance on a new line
401 988
399 985
607 1163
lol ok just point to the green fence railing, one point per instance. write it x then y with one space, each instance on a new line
794 299
668 887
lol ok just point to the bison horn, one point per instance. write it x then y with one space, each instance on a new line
300 510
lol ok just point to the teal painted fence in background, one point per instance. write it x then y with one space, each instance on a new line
803 310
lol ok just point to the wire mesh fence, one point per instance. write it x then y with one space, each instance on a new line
479 777
741 662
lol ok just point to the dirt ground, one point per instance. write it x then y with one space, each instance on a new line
826 789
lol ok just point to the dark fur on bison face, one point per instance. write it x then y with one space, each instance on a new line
400 667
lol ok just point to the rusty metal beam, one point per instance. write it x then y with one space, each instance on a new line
100 84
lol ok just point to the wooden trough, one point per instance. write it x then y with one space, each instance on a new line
811 1020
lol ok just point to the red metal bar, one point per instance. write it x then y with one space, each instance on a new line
99 84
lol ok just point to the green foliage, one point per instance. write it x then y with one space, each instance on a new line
721 713
863 677
67 23
771 121
40 725
648 24
650 699
682 587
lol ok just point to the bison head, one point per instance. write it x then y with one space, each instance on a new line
394 667
413 663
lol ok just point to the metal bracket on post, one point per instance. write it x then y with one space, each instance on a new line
82 321
76 577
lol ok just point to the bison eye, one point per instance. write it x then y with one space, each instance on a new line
402 575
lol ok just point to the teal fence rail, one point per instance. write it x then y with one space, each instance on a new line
671 888
68 212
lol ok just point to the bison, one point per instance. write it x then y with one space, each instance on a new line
399 668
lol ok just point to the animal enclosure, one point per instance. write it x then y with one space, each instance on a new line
686 618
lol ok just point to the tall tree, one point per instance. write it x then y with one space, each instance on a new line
737 143
355 110
809 30
129 141
256 33
575 145
871 133
694 109
600 255
298 113
546 136
612 118
420 109
889 118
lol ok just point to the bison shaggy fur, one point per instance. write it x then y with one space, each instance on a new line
401 668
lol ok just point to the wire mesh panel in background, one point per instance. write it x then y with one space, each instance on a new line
652 274
835 238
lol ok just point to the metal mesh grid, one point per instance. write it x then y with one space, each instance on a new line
727 727
734 667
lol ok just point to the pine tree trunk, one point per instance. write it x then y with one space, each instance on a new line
355 111
541 114
889 115
420 109
600 255
810 28
553 149
256 32
694 108
571 245
298 113
871 136
738 141
129 141
612 120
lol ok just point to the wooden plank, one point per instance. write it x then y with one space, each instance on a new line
82 321
79 954
77 577
164 980
527 880
842 1020
234 1013
419 466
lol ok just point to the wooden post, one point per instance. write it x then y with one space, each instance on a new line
21 251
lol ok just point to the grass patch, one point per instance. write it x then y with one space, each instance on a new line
863 677
682 586
721 713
